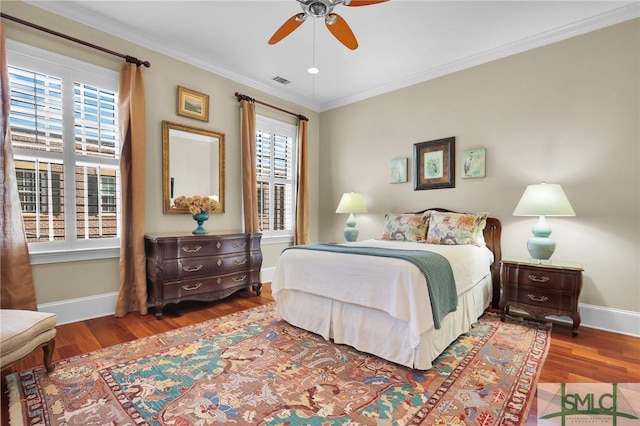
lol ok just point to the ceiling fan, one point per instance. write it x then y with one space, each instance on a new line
323 9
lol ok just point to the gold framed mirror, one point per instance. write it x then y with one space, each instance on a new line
192 164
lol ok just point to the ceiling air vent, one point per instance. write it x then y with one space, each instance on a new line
280 80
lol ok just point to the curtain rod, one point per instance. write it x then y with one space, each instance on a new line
129 59
242 97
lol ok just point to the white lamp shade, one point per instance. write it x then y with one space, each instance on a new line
545 199
351 202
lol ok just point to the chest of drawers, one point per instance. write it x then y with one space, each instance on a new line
541 289
201 267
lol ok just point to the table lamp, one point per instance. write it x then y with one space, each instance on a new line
545 199
351 202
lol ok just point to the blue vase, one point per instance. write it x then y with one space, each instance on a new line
200 218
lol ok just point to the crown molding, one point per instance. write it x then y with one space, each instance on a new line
613 17
100 23
616 16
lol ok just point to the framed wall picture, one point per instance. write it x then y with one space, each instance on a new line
474 163
434 164
193 104
398 170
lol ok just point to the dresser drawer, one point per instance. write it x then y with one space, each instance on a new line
544 278
186 288
189 267
200 247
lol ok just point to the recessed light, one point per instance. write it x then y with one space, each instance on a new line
313 70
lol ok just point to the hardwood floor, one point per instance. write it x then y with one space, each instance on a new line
593 356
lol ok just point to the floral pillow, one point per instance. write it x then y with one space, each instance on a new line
456 228
405 227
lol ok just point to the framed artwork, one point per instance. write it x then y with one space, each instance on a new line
474 163
434 164
193 104
398 170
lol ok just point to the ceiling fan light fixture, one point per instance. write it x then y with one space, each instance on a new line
317 8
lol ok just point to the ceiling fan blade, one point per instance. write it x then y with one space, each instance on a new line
363 2
340 30
287 28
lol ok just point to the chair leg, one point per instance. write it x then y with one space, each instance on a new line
48 355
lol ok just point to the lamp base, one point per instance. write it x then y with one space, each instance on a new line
541 248
350 231
350 234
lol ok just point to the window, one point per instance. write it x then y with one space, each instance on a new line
276 175
65 139
38 192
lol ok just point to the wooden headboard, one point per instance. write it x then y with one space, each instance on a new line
492 234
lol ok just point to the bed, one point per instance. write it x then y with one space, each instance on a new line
382 305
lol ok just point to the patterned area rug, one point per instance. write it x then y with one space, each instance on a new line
251 368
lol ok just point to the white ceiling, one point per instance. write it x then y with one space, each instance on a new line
401 42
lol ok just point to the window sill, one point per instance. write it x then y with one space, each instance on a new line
277 239
42 258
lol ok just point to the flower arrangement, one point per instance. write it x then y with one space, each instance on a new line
198 204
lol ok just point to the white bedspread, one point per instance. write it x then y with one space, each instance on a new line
394 286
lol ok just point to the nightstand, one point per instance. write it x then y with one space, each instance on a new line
541 289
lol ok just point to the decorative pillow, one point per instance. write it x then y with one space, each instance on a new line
456 228
405 227
479 238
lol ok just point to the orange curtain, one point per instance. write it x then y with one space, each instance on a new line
16 279
301 235
249 183
132 295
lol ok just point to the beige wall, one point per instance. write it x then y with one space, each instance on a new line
566 113
56 282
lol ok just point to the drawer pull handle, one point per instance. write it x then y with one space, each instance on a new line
238 279
236 245
219 262
219 244
192 269
238 262
187 287
537 298
193 250
219 280
538 280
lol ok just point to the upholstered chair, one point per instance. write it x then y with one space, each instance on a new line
22 332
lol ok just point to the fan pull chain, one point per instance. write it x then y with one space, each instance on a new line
313 70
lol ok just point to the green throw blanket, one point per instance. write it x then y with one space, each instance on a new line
435 268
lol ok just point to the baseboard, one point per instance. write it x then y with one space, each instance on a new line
267 274
84 308
610 319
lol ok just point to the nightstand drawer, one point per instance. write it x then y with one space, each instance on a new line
543 278
536 296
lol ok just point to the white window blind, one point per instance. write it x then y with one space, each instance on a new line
276 171
65 140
